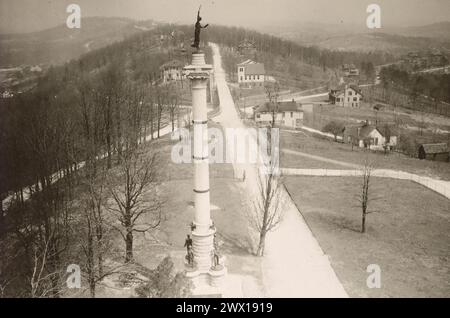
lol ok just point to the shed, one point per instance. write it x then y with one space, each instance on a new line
436 152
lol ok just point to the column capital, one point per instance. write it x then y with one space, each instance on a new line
199 72
198 69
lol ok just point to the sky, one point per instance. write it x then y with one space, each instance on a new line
17 16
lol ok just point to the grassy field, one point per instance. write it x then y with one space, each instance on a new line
299 162
408 237
343 152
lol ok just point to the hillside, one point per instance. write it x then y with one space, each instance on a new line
440 30
121 72
395 40
395 44
60 44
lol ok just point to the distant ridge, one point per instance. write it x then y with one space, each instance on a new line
60 44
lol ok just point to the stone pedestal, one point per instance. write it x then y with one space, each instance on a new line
203 229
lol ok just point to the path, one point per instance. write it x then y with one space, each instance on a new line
320 158
294 265
300 98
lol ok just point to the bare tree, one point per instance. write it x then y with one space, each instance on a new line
174 100
136 178
272 93
95 240
8 273
43 273
94 250
161 99
267 210
365 196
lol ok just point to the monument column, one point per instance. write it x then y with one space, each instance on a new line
202 230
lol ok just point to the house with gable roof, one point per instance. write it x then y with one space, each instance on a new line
251 74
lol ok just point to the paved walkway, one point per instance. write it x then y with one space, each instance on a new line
294 265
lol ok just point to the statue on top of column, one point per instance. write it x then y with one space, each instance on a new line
198 27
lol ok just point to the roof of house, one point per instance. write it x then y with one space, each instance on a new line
172 64
255 69
435 148
291 106
246 62
365 130
341 87
359 131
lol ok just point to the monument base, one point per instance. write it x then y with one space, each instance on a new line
202 247
207 283
207 279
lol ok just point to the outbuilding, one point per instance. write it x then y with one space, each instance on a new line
436 152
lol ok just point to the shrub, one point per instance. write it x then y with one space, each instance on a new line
165 283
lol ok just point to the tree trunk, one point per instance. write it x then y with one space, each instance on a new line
262 242
90 262
173 121
100 249
108 147
100 263
363 223
151 122
129 246
92 286
119 134
159 120
21 196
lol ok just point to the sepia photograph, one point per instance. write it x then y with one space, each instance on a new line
240 150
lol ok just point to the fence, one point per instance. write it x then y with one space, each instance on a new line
439 186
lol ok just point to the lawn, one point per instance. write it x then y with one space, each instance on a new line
293 161
408 236
343 152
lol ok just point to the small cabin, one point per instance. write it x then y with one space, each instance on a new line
435 152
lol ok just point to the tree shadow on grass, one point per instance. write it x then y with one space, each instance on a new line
235 245
342 223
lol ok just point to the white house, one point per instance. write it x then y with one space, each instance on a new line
251 74
172 71
371 137
286 114
346 96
